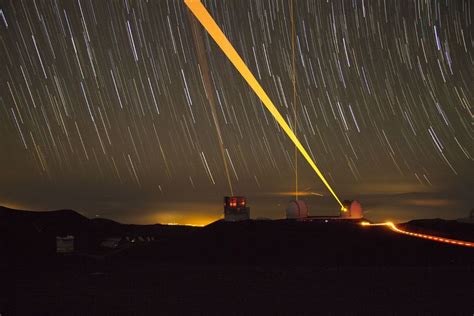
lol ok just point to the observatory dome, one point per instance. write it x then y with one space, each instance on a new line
353 209
296 209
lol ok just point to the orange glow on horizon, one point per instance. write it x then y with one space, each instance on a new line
179 224
175 218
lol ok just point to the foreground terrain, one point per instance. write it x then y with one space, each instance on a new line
248 267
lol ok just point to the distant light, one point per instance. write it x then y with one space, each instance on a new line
184 224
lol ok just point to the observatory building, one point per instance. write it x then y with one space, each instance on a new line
353 209
236 209
297 209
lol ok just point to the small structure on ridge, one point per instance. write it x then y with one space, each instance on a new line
236 209
297 209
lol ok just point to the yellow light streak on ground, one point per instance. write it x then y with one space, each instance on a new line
198 9
394 228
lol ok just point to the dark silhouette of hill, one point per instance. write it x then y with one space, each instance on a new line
266 242
33 233
290 243
249 267
52 221
63 222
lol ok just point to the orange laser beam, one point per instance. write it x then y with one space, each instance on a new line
198 9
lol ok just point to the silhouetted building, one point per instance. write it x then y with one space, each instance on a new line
64 244
236 209
297 209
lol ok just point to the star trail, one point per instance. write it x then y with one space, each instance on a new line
105 107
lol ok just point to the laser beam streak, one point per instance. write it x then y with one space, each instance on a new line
393 227
198 9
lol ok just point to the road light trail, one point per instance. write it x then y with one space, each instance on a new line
198 9
394 228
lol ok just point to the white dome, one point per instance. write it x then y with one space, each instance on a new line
353 209
297 209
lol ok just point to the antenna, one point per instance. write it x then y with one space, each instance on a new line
293 68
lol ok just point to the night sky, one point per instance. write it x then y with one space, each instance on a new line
103 107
